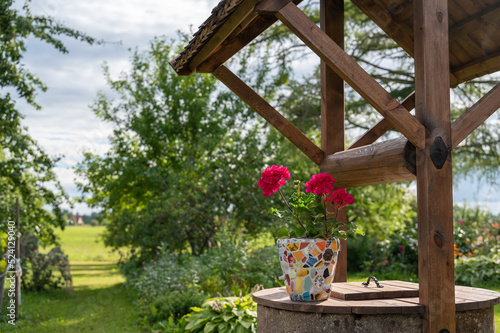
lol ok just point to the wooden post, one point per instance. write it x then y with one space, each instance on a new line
434 180
332 106
18 256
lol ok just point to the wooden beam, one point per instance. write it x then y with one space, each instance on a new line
475 116
352 73
382 126
270 114
243 11
475 22
434 180
333 109
383 17
477 68
232 46
380 163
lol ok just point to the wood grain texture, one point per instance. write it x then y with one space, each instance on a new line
332 108
475 116
352 73
384 162
270 114
467 298
434 186
382 126
231 46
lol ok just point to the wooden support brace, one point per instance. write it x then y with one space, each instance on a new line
257 103
475 116
384 162
352 73
382 126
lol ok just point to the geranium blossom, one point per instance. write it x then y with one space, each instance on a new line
322 183
340 198
273 178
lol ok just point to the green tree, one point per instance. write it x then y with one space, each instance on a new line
26 171
183 159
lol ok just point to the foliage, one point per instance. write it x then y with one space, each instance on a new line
234 268
476 231
308 208
38 267
223 314
478 270
26 171
181 159
175 304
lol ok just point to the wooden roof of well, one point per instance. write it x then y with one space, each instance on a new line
474 33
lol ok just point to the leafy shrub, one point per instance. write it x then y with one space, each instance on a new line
162 277
475 271
38 267
175 305
223 314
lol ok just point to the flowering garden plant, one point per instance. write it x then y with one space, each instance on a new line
307 215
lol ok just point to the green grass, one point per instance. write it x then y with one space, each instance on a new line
98 301
84 243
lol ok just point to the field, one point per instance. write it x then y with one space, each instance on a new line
98 301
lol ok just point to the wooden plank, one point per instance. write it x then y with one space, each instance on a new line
384 162
382 126
333 108
475 22
475 116
357 291
435 217
384 19
279 299
272 116
352 73
478 68
239 15
231 46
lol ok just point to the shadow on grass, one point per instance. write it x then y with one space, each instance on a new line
96 304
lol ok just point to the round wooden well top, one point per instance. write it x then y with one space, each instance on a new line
466 298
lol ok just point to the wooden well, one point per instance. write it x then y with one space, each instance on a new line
355 308
452 41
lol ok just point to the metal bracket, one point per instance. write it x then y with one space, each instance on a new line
374 280
439 152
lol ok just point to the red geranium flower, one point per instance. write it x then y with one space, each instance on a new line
322 183
340 198
273 178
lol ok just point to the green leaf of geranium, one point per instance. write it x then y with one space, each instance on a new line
282 233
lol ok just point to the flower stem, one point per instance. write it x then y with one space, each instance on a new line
291 210
326 220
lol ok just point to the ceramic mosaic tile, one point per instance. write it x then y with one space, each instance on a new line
308 267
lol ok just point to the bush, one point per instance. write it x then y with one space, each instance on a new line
175 305
475 271
223 314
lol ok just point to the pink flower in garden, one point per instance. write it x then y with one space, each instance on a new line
460 221
340 198
386 262
273 178
322 183
401 247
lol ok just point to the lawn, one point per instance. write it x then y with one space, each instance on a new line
98 301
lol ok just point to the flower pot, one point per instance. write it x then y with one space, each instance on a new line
308 266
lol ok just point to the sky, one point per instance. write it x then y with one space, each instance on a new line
66 125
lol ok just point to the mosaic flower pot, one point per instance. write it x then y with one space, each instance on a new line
308 267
